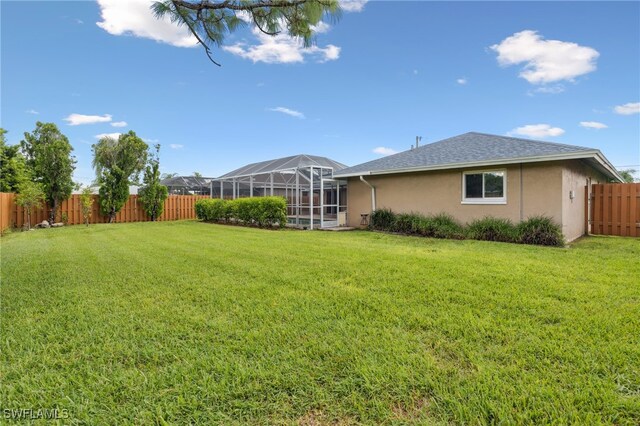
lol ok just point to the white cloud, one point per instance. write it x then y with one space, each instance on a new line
119 123
32 111
628 109
283 49
79 21
537 131
593 125
291 112
545 61
176 146
331 53
321 27
353 5
134 17
462 81
78 119
108 135
384 150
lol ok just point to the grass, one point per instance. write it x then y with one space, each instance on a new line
186 322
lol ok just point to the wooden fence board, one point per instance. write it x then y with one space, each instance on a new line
615 209
587 204
176 207
634 206
624 210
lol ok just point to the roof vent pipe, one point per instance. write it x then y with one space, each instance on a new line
418 139
373 193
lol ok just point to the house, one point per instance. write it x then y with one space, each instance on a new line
187 185
474 175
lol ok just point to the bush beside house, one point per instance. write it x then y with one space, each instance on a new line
539 230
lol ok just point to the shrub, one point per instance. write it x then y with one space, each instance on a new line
228 209
261 211
217 209
438 226
445 226
244 210
405 223
382 220
492 229
86 204
539 230
274 210
210 209
422 225
536 230
201 207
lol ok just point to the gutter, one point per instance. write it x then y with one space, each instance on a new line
607 165
373 193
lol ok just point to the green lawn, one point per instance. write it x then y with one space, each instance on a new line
186 322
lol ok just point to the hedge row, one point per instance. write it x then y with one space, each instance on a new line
260 211
539 230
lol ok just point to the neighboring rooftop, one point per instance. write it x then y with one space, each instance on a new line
186 181
188 185
477 149
284 164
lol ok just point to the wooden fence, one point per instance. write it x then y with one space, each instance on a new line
615 209
176 207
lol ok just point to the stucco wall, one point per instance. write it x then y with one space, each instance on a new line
575 175
441 191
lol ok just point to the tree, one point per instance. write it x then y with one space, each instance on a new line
197 174
86 203
627 175
48 155
13 169
153 193
209 21
118 163
30 196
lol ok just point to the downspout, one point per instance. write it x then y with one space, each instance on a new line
373 193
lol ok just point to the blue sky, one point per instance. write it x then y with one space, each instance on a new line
385 73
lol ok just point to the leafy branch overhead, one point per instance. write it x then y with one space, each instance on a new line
210 21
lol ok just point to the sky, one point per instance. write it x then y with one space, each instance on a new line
384 73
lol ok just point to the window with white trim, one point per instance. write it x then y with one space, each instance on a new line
484 187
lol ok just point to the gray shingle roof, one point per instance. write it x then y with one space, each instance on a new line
285 163
462 150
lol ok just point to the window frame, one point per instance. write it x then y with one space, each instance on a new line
484 200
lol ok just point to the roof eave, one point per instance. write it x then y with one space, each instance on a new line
607 165
558 157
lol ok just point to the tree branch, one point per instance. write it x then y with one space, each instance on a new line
207 50
208 5
255 21
205 22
